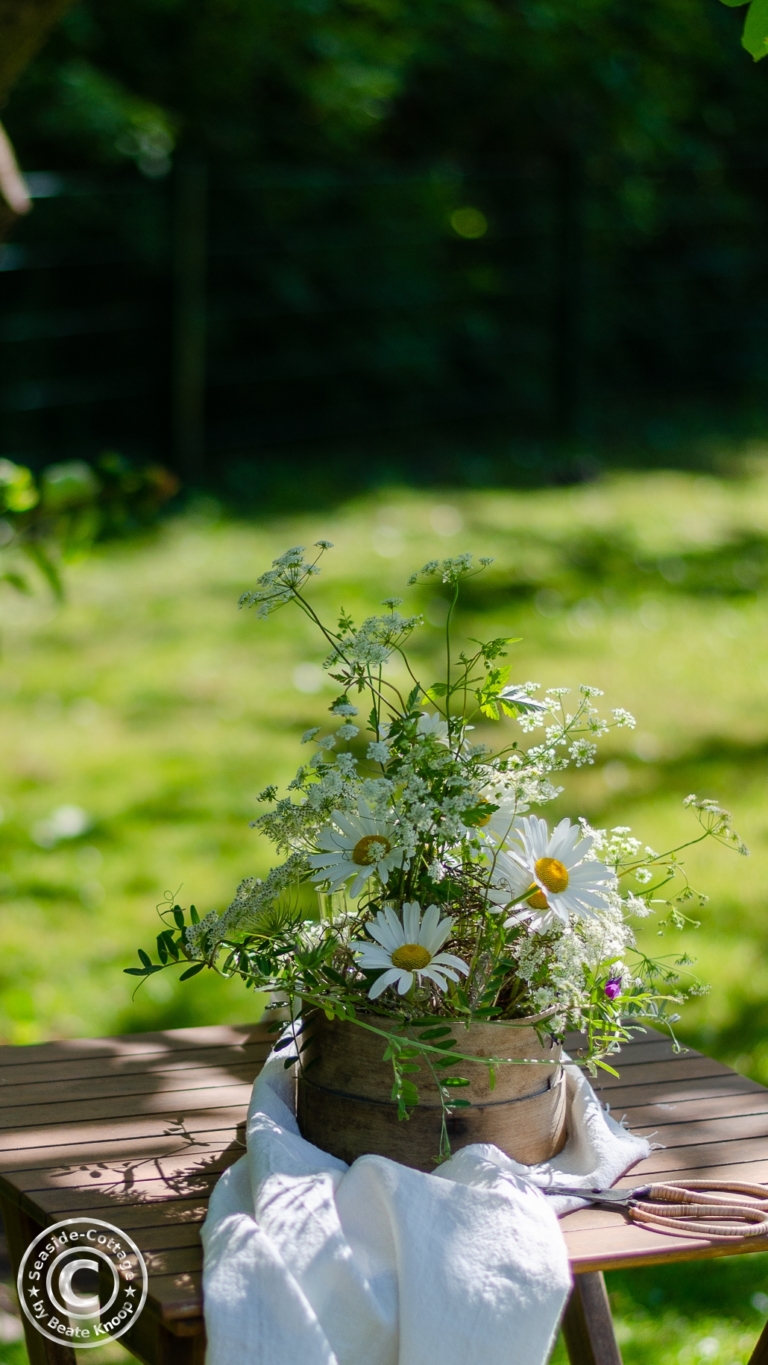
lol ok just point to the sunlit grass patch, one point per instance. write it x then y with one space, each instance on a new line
155 708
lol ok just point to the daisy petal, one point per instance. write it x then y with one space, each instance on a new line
383 934
394 923
436 977
373 959
451 961
428 925
411 921
362 876
386 979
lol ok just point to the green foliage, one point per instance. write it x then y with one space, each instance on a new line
755 35
435 78
69 508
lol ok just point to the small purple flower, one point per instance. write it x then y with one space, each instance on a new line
613 987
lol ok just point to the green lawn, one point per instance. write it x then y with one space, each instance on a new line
158 711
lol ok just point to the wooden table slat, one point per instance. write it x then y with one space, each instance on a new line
124 1045
671 1092
60 1116
138 1129
132 1071
660 1073
74 1142
748 1113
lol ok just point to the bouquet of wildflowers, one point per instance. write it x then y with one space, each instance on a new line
443 895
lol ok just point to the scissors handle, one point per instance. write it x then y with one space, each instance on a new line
700 1208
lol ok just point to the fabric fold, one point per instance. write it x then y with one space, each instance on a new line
308 1261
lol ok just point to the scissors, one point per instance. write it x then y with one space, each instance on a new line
691 1208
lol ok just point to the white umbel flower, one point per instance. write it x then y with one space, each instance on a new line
355 846
408 948
561 879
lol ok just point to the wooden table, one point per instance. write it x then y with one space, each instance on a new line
136 1130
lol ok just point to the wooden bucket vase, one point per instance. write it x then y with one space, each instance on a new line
344 1102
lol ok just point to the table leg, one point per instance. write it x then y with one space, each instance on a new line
588 1325
760 1354
20 1230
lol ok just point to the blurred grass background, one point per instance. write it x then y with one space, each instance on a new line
142 717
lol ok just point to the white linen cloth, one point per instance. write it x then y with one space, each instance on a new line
308 1261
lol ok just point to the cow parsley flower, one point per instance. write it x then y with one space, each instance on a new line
355 846
624 719
408 948
378 751
343 708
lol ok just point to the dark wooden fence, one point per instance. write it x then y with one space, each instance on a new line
225 320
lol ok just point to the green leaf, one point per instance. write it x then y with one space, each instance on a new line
162 950
431 1033
145 958
17 581
454 1081
755 36
47 568
460 1104
282 1044
605 1067
178 915
436 690
478 815
192 971
193 915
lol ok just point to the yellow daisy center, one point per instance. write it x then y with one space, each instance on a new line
538 900
370 849
411 957
552 873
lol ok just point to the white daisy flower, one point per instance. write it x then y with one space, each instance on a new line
407 948
509 880
433 725
561 879
355 846
500 824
